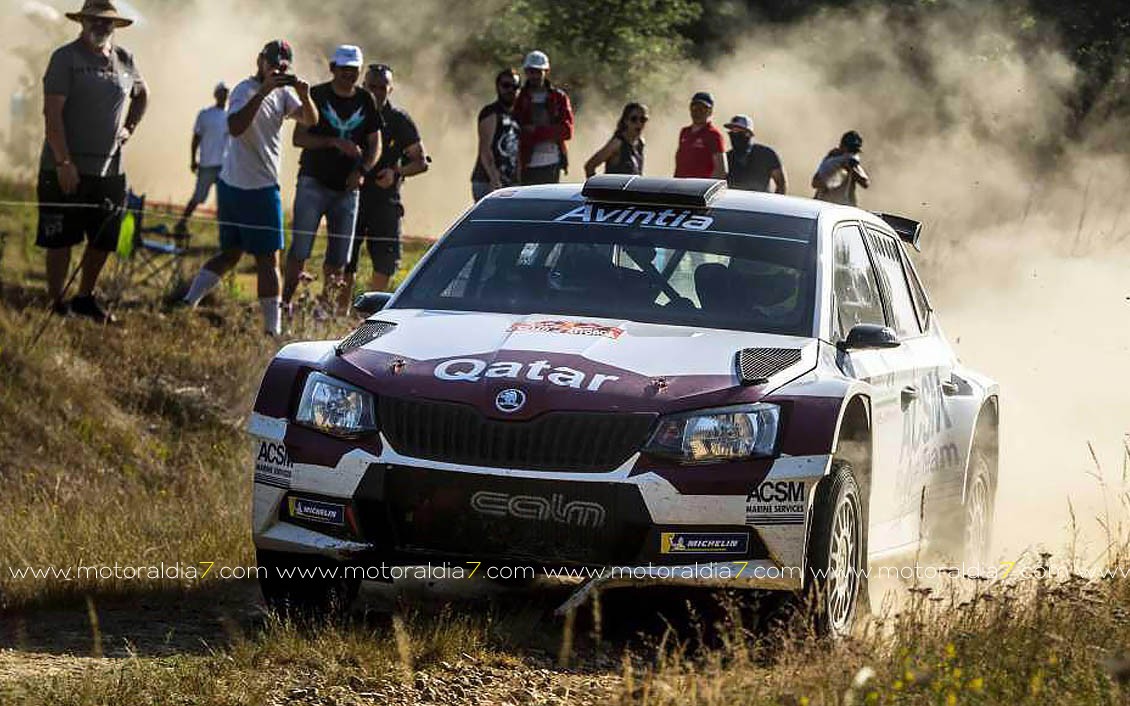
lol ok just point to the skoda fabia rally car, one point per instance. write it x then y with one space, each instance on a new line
661 378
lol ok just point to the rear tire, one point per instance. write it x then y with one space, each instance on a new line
959 523
305 587
836 590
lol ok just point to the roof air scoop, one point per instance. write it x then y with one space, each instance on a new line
653 191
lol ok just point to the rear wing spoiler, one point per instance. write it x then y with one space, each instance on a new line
909 231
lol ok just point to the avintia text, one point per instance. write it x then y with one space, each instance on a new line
667 218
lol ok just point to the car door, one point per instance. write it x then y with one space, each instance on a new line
860 299
922 363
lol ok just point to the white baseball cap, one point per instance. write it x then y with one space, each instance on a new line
536 60
740 122
348 56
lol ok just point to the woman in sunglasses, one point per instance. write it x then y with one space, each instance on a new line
623 154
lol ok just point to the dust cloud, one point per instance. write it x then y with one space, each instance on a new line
1027 244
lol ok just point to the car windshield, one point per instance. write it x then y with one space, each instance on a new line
725 270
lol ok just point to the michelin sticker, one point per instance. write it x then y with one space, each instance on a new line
703 543
273 465
777 502
317 511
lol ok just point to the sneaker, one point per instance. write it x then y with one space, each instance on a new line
61 308
89 307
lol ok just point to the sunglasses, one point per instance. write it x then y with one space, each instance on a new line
380 68
641 119
507 85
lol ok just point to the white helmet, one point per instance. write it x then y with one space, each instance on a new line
536 60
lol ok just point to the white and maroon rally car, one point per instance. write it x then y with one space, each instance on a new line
680 381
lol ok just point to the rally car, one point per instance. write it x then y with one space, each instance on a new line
663 378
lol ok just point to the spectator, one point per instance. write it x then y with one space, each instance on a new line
546 117
752 165
497 165
840 171
402 156
251 217
701 152
81 186
210 136
336 154
623 154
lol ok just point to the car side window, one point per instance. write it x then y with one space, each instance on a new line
888 260
917 291
853 281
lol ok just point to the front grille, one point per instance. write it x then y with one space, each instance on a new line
465 514
757 365
365 333
556 441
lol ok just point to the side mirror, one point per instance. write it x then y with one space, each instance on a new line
371 302
869 336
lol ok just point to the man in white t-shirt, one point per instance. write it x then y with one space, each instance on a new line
251 215
210 137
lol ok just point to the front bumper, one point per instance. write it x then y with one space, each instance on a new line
635 527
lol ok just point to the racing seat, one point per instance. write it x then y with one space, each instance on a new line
719 289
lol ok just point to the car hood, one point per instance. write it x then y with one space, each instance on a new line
564 362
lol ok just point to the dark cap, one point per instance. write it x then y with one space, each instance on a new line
703 97
851 141
278 53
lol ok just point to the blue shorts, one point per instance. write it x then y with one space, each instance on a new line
251 220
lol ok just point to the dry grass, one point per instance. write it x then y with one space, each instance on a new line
126 446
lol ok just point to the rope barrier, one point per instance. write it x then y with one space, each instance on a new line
192 219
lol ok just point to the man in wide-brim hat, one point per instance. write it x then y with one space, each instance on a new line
100 9
93 99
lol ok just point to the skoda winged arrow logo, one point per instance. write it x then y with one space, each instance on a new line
510 400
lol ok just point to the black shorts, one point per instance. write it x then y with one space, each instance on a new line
94 212
378 225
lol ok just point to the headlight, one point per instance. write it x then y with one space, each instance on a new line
726 434
336 407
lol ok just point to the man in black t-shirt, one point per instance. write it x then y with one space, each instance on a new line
402 156
752 165
497 165
336 153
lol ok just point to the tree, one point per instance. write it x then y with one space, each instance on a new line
615 47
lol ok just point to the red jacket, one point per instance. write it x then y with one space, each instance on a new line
561 129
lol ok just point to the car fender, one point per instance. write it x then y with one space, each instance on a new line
975 395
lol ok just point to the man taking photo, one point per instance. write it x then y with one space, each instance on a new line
840 171
251 216
336 154
93 99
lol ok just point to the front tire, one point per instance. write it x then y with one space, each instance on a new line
977 512
837 589
305 587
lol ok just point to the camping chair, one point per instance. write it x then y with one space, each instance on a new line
148 257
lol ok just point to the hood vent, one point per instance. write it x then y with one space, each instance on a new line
366 332
756 365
